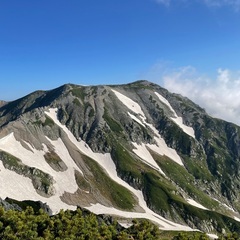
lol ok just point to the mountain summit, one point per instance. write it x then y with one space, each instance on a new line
133 151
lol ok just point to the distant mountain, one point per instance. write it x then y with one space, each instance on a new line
134 151
2 103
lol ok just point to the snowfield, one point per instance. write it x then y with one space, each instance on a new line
176 119
212 236
162 148
35 158
236 218
20 188
136 119
141 150
64 181
129 103
196 204
144 154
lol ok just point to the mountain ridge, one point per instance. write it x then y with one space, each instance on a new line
135 147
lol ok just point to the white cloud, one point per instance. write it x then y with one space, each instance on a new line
221 3
219 96
235 4
223 75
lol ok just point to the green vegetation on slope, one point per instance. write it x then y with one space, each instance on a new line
163 196
127 166
115 126
48 122
158 194
76 102
184 180
89 109
158 191
78 92
81 224
55 161
177 235
81 181
27 224
117 194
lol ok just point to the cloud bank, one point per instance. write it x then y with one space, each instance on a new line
219 96
221 3
235 4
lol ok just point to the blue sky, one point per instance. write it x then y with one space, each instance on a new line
176 43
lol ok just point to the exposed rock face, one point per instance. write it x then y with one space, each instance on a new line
7 206
11 204
91 145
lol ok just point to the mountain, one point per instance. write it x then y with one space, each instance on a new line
2 103
133 151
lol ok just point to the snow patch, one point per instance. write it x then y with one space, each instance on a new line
196 204
228 207
63 181
20 188
236 218
128 102
162 148
136 119
212 236
125 224
144 154
178 120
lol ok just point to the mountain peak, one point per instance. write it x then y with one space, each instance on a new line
129 150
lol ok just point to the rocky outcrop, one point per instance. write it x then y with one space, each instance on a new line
42 182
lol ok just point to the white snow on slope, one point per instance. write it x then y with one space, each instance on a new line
20 188
178 120
129 103
212 236
228 207
161 147
142 152
64 181
196 204
225 205
136 119
236 218
107 163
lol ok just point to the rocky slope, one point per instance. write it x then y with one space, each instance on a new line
134 150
